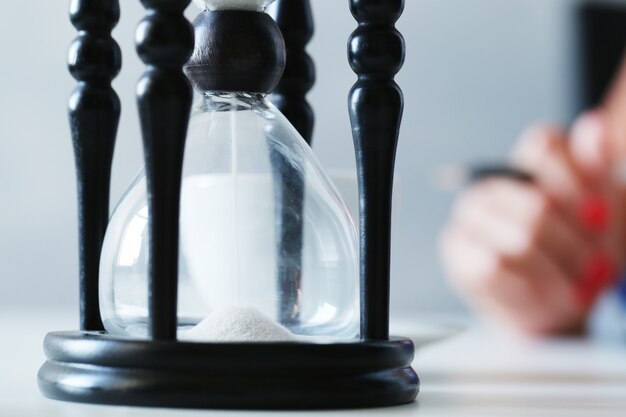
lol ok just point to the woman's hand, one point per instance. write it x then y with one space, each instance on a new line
535 256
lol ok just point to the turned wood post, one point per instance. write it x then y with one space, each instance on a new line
164 42
376 54
94 61
295 20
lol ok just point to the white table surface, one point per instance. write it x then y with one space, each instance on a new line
475 373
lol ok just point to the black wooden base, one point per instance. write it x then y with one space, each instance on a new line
97 368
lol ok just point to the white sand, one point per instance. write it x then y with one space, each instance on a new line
240 324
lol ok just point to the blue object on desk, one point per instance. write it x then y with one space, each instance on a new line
621 290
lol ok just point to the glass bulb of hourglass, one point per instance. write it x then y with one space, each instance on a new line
263 232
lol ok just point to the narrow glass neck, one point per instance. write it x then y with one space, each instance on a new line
229 101
251 5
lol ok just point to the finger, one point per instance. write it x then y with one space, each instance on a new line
521 294
465 260
614 108
590 145
590 148
518 219
543 151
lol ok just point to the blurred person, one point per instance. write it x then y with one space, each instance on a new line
535 256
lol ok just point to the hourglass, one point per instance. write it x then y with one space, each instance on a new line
230 274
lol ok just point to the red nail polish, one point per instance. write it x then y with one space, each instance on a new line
598 275
595 214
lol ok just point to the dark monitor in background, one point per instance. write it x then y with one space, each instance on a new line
602 27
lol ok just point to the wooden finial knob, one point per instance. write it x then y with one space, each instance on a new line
376 48
94 55
236 50
376 12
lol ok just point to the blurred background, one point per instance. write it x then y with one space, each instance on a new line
477 72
